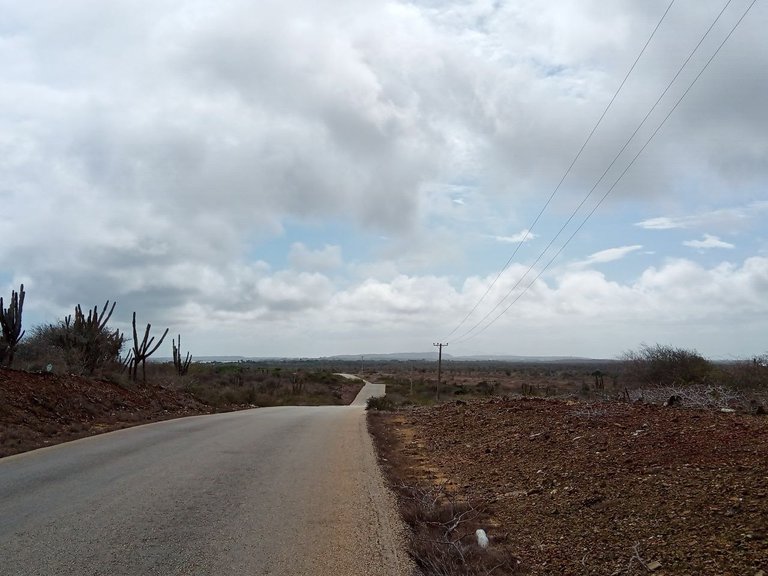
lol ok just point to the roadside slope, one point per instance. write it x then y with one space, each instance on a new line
38 410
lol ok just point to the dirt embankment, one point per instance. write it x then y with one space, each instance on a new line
609 489
43 409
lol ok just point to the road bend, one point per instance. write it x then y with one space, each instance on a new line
283 491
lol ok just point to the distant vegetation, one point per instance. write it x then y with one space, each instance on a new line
657 374
259 384
84 344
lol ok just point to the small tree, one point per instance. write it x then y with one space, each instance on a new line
182 366
10 323
143 350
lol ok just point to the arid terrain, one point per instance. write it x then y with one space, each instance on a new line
41 409
572 487
566 477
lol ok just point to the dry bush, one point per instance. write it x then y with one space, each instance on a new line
692 396
380 403
664 365
443 539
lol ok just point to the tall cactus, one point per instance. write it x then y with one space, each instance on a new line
182 366
143 350
10 322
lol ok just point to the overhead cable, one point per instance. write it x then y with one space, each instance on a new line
467 336
602 176
529 230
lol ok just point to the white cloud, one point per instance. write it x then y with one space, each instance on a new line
726 302
709 241
664 223
609 255
256 311
733 216
522 236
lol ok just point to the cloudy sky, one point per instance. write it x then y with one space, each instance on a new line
317 177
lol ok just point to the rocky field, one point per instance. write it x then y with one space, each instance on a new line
596 488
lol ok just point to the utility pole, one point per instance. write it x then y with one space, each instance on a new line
439 367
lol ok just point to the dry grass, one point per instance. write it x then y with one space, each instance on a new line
443 530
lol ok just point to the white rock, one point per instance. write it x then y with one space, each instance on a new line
482 538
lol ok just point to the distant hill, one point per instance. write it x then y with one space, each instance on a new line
398 357
559 359
389 357
405 356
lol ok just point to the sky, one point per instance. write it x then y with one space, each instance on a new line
305 178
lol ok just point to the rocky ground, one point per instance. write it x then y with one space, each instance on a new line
596 488
42 409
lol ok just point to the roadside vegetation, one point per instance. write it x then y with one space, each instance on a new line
78 376
83 344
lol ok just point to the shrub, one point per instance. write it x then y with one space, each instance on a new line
83 348
380 403
666 366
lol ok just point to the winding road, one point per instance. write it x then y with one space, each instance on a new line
282 491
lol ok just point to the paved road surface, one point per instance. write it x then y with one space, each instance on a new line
281 491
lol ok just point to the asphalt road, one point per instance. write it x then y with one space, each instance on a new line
289 491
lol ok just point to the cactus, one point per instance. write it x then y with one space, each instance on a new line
10 322
143 351
87 342
182 367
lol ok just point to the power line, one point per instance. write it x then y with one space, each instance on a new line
529 230
605 172
466 337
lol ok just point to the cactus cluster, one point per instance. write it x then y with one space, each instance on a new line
87 341
83 340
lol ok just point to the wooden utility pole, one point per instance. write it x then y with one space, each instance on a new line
439 368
